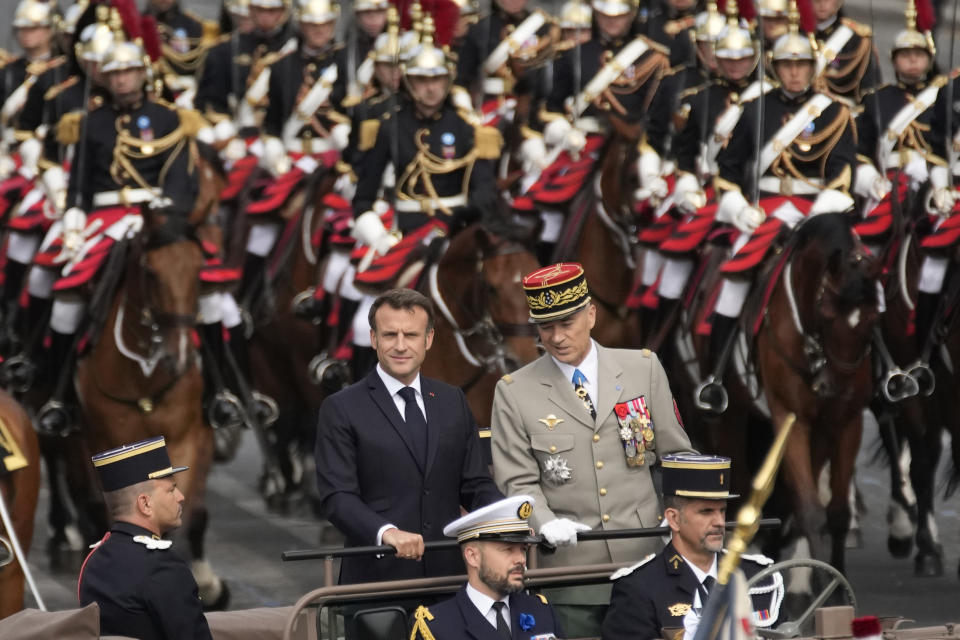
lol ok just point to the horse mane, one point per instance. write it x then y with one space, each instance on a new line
832 234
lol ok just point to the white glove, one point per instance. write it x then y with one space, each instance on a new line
30 151
74 221
234 150
917 170
7 166
533 152
345 186
561 532
687 194
340 135
368 229
556 131
275 158
870 184
652 187
54 182
942 195
734 209
830 201
575 141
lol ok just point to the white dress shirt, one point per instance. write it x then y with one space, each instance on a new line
692 618
393 389
590 369
484 605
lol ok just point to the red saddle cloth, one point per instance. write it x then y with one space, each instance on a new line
562 180
756 249
879 220
946 233
383 271
12 190
688 234
237 177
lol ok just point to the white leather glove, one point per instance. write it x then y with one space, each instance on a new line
917 170
869 183
54 182
734 209
340 135
575 141
831 201
234 150
562 532
651 184
748 219
368 229
345 186
275 158
533 152
687 194
74 221
942 195
556 131
7 166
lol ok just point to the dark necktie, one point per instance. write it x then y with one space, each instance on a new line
579 386
705 588
502 629
416 423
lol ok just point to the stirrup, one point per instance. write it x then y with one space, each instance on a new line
18 373
899 385
265 408
328 372
227 406
54 419
305 306
703 401
926 380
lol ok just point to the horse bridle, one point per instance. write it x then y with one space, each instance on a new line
490 334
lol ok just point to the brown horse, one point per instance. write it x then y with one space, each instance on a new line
482 328
601 234
142 377
813 360
19 490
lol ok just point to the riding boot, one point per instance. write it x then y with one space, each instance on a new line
56 417
19 372
544 251
363 361
311 305
13 274
663 320
223 407
925 328
348 309
711 396
251 280
263 406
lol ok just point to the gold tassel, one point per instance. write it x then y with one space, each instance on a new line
368 134
68 129
191 121
488 142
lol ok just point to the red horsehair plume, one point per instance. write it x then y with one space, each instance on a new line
129 16
746 9
926 17
403 10
808 19
151 37
445 15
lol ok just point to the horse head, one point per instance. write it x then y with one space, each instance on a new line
834 281
477 287
167 285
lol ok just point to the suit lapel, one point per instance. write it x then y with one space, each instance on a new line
561 392
434 421
383 400
475 624
609 387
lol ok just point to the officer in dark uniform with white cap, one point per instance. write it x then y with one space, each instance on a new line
492 605
144 589
652 598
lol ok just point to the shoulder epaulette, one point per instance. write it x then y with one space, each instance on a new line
940 81
192 121
488 142
420 629
759 558
859 28
68 128
507 378
625 571
368 134
57 89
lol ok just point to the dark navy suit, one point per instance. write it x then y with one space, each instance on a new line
458 618
368 475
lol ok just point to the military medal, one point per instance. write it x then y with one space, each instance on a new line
449 150
632 446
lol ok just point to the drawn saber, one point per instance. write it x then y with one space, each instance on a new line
18 553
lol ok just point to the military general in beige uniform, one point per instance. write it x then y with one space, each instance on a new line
579 429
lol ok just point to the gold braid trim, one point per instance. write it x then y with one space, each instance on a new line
68 128
422 616
488 142
129 148
857 66
14 458
191 121
426 164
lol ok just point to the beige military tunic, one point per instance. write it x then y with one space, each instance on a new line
540 426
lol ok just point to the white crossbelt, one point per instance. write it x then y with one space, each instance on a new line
792 128
773 184
495 86
310 145
512 43
609 73
833 46
910 112
124 197
431 204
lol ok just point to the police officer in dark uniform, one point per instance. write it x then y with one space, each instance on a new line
652 598
223 77
494 542
143 588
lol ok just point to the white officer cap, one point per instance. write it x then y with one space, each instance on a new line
504 520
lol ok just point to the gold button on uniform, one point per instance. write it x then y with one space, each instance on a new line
599 464
603 491
553 449
606 518
596 437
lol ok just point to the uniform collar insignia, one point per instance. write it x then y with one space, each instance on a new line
551 421
679 609
152 543
675 561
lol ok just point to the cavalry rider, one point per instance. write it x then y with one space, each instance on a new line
33 26
468 15
502 56
134 153
224 77
847 60
234 17
670 22
774 14
805 165
184 36
703 123
370 20
442 161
